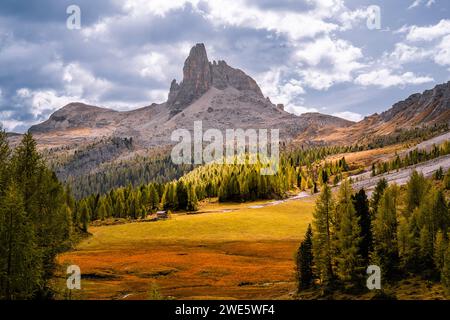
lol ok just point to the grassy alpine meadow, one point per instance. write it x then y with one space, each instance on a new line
235 251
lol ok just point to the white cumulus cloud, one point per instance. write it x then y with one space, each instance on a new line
384 78
348 115
428 33
327 61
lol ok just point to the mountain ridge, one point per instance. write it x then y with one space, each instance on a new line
429 108
226 97
212 91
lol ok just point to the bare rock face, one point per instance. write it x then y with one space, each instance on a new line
76 115
174 90
224 76
199 75
430 107
197 80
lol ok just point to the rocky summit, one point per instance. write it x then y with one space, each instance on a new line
221 96
199 75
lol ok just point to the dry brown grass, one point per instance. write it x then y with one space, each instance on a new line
232 270
367 157
242 254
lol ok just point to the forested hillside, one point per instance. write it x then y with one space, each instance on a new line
301 169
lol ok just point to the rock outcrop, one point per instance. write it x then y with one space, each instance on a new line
430 107
199 75
76 115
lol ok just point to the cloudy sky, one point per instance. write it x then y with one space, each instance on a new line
311 55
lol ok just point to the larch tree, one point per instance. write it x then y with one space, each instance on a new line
417 187
348 236
440 247
192 204
385 232
322 235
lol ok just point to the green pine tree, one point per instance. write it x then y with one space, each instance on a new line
361 204
385 232
440 246
348 236
445 273
101 211
84 216
192 204
5 153
304 261
377 194
182 195
322 235
416 191
20 258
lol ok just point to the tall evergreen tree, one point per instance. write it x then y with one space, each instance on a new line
440 248
322 235
84 216
20 258
445 273
101 211
361 204
153 197
51 220
26 169
192 204
416 191
304 261
5 153
377 194
385 232
182 195
348 236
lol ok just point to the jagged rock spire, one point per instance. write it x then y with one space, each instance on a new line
199 75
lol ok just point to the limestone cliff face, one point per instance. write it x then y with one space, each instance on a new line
199 75
197 79
224 75
430 107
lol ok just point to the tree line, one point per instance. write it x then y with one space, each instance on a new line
227 182
88 170
404 232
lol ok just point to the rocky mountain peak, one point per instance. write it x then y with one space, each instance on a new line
196 71
199 75
197 79
431 106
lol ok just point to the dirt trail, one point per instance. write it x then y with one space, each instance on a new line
301 195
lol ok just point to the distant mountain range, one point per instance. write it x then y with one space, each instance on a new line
219 95
432 107
222 97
